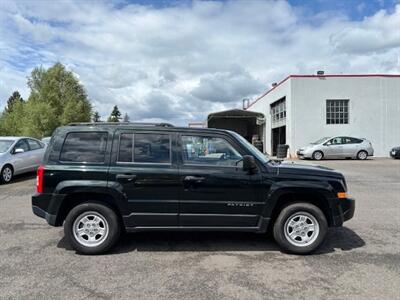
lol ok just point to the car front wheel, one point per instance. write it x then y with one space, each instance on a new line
92 228
6 174
317 155
300 228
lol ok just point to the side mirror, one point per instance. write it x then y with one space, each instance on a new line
19 150
249 164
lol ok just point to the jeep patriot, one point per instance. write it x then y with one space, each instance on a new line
102 179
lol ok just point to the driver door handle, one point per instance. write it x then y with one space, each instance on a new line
128 177
194 179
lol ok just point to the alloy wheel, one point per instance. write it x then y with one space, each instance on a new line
362 155
317 155
7 174
90 229
301 229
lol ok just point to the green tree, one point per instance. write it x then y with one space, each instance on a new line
57 98
14 98
115 115
11 122
38 123
96 117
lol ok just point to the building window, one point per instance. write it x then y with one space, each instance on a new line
278 110
337 111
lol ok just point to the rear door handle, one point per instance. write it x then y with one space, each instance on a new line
128 177
194 179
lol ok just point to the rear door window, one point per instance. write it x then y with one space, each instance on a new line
152 148
355 141
84 147
125 147
34 145
350 140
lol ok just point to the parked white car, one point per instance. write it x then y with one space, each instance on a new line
19 155
46 140
337 147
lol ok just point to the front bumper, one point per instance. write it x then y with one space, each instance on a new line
346 209
302 154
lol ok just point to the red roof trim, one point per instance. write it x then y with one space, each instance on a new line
319 76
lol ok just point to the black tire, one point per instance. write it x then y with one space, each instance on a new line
108 214
290 211
317 155
362 155
7 179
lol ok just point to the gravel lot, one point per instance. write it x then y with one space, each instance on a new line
360 260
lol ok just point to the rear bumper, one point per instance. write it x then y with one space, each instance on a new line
51 219
46 206
347 208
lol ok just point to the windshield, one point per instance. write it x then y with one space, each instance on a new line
320 140
254 151
5 145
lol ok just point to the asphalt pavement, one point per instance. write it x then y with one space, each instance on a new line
359 261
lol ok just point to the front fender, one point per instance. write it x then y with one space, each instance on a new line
321 191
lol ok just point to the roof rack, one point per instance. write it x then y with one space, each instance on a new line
121 124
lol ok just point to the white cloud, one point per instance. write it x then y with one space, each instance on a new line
179 63
378 33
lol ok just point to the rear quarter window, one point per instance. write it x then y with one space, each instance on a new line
34 145
84 147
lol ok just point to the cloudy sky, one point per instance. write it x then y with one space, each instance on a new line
177 61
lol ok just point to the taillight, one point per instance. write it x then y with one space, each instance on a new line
39 179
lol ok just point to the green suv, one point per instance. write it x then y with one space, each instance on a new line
100 179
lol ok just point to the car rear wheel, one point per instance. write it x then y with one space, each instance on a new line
7 174
362 155
317 155
92 228
300 228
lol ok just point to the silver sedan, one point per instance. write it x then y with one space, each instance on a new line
337 147
19 155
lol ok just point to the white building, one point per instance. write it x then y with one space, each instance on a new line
303 108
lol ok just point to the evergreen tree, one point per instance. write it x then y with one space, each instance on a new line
14 98
115 115
126 118
96 117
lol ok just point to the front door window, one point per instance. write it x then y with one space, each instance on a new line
215 151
